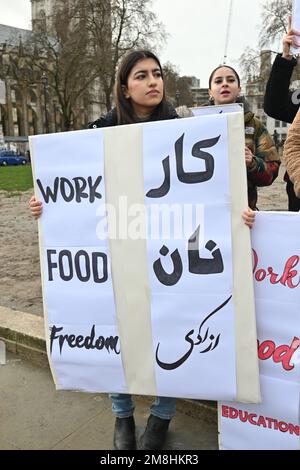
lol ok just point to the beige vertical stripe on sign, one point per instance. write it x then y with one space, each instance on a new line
124 179
248 388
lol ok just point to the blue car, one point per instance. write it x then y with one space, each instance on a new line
8 157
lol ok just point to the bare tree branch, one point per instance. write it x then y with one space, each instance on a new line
274 20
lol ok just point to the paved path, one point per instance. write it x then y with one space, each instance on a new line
35 416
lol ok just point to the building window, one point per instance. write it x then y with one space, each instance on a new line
283 124
277 123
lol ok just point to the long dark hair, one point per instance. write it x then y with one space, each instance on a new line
220 67
125 111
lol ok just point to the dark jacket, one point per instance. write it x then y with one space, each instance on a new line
266 162
278 99
278 104
111 119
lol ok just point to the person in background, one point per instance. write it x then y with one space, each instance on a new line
279 102
140 97
261 157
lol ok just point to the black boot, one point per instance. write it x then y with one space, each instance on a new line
155 433
124 435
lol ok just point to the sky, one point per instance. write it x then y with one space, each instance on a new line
196 28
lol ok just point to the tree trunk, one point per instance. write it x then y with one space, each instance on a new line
108 103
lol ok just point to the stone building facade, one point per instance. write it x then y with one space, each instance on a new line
28 106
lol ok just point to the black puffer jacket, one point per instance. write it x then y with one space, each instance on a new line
111 119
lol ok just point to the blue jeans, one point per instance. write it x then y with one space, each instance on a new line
123 406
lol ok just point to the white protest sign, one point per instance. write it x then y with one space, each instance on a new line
296 24
135 312
274 424
78 295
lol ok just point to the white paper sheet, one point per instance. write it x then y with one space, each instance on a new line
218 109
276 264
279 339
164 141
195 355
76 273
183 298
84 312
275 239
273 425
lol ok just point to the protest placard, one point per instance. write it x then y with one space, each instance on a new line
146 262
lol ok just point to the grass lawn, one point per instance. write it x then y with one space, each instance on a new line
15 178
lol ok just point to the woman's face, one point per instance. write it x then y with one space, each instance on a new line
224 86
145 87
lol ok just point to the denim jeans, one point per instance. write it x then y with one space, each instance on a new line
123 406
